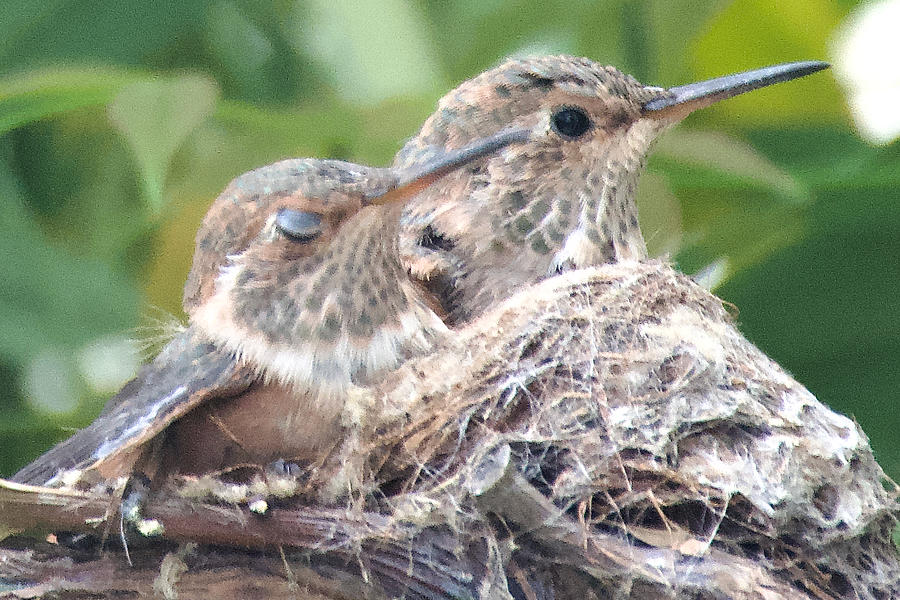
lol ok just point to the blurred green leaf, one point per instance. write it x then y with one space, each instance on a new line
51 303
45 93
731 158
48 297
841 279
724 221
34 33
742 231
155 117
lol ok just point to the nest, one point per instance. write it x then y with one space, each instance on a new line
607 433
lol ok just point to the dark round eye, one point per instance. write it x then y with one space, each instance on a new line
570 122
299 225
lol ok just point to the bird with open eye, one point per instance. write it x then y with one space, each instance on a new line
311 276
563 200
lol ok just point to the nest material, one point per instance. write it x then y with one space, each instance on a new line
607 433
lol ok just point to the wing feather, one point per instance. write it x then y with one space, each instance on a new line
188 371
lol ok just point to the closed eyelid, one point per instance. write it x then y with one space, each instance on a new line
298 225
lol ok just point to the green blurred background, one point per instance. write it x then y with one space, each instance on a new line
121 120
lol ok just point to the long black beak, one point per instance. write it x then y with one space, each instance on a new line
417 179
684 99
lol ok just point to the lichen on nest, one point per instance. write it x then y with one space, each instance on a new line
617 412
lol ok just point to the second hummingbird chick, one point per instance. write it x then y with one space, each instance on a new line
563 200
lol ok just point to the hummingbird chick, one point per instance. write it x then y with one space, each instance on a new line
311 276
563 200
296 292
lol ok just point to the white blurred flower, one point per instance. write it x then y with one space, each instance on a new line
50 384
866 52
712 274
107 363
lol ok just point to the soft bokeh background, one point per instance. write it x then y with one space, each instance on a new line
121 120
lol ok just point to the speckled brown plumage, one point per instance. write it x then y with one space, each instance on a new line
546 206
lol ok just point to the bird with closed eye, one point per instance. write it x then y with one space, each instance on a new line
284 316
